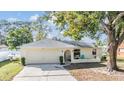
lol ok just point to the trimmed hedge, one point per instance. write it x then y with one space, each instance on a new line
104 58
61 60
23 61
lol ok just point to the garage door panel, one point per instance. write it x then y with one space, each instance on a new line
43 56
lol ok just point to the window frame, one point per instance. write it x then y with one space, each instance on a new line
78 54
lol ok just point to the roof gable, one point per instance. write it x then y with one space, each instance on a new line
48 43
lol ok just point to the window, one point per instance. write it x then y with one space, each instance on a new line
77 54
94 53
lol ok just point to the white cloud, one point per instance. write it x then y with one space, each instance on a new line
34 17
13 19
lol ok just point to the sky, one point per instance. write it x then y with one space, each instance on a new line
24 16
20 15
30 16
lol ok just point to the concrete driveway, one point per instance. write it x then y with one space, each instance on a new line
44 72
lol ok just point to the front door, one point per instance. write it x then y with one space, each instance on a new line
67 56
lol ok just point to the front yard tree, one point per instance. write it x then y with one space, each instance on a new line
79 24
18 36
40 27
40 35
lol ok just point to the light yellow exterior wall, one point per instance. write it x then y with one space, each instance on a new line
88 57
51 55
39 55
42 55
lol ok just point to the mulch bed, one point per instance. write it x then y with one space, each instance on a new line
93 72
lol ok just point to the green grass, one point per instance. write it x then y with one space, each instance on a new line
8 69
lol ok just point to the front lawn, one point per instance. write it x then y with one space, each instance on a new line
95 72
8 69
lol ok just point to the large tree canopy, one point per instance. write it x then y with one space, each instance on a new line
40 35
78 24
18 36
41 27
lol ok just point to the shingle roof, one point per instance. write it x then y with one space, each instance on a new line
80 43
48 43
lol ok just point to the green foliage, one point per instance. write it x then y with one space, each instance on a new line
18 36
78 24
104 58
100 43
40 36
41 27
9 69
23 61
82 57
61 60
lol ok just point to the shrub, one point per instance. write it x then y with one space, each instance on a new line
23 61
104 58
61 60
82 57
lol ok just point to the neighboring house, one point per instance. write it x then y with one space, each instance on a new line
49 51
3 48
120 51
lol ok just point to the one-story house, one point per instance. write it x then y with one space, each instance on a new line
49 51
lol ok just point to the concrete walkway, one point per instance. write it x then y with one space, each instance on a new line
44 72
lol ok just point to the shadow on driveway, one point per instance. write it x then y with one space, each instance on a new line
47 67
84 65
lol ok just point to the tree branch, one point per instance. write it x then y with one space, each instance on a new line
105 27
118 34
121 38
117 18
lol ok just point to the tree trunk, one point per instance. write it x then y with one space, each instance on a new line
112 50
112 64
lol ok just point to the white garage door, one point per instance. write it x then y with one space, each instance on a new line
43 56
